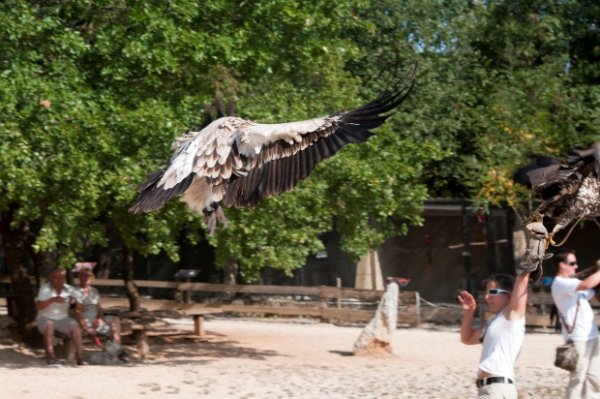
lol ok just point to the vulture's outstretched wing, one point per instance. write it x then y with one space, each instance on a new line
569 187
242 162
276 165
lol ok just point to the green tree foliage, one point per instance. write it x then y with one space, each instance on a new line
538 101
500 81
93 92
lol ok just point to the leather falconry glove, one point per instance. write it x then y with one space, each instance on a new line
536 251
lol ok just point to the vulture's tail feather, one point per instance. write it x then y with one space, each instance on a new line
152 197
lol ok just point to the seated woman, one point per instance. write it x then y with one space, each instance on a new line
91 314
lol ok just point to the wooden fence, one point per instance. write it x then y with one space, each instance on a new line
330 304
539 307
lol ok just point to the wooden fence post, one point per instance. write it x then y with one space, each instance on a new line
418 305
322 303
338 284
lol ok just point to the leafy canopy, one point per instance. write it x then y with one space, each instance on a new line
93 92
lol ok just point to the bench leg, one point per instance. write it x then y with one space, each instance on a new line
199 325
65 347
141 340
69 350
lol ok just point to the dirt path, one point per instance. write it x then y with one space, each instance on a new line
270 359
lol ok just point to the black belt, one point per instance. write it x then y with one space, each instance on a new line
493 380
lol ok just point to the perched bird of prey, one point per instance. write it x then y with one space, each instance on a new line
240 162
569 187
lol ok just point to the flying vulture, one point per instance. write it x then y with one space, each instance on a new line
569 187
240 162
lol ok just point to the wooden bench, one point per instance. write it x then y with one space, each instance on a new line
198 313
194 310
140 325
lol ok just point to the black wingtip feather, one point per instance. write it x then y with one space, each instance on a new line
540 162
282 174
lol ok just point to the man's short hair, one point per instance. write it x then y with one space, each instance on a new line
56 271
561 256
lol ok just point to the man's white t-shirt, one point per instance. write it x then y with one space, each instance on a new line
54 311
565 296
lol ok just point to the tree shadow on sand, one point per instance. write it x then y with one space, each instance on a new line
15 357
165 349
185 348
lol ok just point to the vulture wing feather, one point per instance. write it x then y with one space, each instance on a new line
241 162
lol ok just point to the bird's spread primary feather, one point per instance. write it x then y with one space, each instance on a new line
240 162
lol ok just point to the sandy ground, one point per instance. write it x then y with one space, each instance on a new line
244 358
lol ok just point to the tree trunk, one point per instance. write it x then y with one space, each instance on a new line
45 263
230 278
230 273
14 247
128 278
104 255
104 262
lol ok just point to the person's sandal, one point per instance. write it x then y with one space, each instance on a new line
81 362
123 356
52 361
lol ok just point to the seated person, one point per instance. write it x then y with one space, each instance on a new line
52 303
91 314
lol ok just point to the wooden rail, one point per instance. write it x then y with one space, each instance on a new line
539 307
327 303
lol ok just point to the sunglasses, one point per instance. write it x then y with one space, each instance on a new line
497 291
571 263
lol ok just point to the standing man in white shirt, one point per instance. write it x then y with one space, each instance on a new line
571 296
52 302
